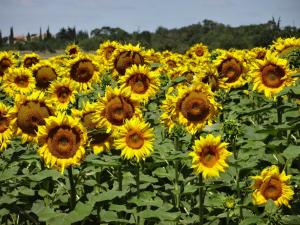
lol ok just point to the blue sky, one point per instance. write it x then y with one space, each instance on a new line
138 15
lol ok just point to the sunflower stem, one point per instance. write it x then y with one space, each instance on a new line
279 110
176 187
138 188
120 178
201 199
235 154
73 189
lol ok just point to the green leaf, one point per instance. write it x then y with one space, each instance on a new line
107 196
270 207
251 220
291 152
45 174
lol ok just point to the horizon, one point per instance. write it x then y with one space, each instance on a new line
27 16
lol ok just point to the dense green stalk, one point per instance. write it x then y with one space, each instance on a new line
73 189
201 199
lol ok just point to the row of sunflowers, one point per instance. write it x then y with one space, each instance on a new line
159 110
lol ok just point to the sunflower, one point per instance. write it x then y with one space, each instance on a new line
18 81
62 139
258 53
106 49
124 57
6 126
272 185
208 75
282 47
115 107
84 71
209 156
44 73
192 107
231 68
6 61
142 82
72 50
271 75
135 140
62 93
152 56
170 63
98 139
30 112
30 59
198 51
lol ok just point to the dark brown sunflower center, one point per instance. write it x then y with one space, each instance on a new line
199 52
118 109
30 61
73 51
212 81
126 60
82 71
63 141
272 189
44 76
98 138
231 69
189 75
209 156
171 63
134 139
87 120
139 83
31 115
271 76
5 63
22 81
4 123
108 52
63 94
195 107
261 55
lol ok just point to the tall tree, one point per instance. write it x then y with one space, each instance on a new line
1 39
11 36
48 34
40 36
28 37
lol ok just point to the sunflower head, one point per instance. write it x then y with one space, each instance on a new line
62 92
6 126
208 75
30 59
62 139
271 75
209 156
282 47
29 113
115 107
135 140
84 71
272 185
142 82
72 50
6 61
44 73
198 50
124 57
18 81
107 48
192 107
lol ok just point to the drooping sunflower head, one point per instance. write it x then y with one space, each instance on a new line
98 138
124 57
271 75
192 107
6 126
29 113
62 93
84 71
272 184
281 47
72 50
258 53
6 61
198 50
151 56
208 75
44 73
232 69
62 139
115 107
30 59
209 156
106 49
135 140
18 81
142 82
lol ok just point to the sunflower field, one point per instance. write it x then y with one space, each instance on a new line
129 135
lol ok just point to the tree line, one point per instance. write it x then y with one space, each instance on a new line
213 34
